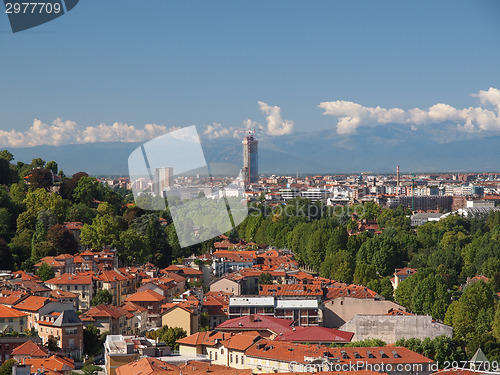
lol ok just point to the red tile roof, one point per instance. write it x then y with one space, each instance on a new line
147 366
257 322
147 295
25 276
105 311
405 271
316 334
30 349
110 276
9 312
353 291
290 290
204 368
70 279
285 351
32 303
55 363
59 294
10 297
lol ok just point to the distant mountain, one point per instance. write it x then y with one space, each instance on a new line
378 149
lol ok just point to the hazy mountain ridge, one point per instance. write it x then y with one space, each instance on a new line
378 149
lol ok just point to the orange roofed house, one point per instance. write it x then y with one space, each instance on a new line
67 328
83 285
12 319
151 301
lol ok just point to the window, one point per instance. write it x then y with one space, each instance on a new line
231 358
11 320
242 360
210 355
236 359
216 356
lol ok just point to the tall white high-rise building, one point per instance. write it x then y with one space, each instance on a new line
164 177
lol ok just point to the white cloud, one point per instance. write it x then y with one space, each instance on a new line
69 132
216 130
353 115
275 125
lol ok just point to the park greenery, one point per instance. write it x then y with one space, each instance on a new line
325 239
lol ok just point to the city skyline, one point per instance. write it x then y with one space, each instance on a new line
337 66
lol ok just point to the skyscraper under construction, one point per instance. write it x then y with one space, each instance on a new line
250 171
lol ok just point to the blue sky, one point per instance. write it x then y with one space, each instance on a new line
177 63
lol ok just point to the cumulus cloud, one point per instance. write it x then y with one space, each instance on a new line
216 130
69 132
353 115
275 124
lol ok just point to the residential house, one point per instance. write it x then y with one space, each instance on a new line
9 343
54 364
216 305
35 307
151 301
141 317
66 298
83 285
112 319
115 283
316 335
344 302
230 261
180 316
227 285
12 319
29 349
67 328
401 274
61 264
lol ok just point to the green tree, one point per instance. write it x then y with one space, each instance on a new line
41 178
6 255
265 278
52 166
6 367
104 230
92 340
169 335
52 344
87 190
41 250
20 247
91 369
102 297
382 252
45 272
133 248
364 273
475 305
62 239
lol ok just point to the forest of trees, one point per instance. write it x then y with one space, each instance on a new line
446 253
32 217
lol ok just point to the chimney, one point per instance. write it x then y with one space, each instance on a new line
397 178
251 318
